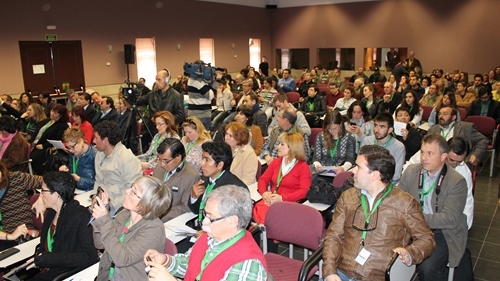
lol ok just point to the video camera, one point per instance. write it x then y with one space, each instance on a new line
131 93
200 70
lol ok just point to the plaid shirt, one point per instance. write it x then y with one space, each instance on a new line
251 270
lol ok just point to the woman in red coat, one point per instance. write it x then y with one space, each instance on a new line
288 177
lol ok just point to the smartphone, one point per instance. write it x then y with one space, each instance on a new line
353 124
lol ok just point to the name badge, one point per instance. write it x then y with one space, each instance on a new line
363 256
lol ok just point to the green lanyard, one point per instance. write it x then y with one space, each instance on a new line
219 249
386 144
364 204
157 142
75 164
311 106
426 192
1 226
484 108
431 100
29 126
120 238
411 108
209 188
47 126
333 151
190 146
50 239
445 136
280 177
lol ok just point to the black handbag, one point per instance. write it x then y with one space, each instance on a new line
321 191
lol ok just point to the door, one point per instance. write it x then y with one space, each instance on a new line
46 65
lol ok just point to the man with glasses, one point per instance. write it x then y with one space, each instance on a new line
448 128
217 158
230 250
373 221
180 177
442 193
116 167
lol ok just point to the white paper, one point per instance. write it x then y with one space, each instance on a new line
227 105
398 126
38 69
181 229
57 144
328 171
424 127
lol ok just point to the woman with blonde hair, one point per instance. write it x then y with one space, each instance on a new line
245 162
195 135
34 115
166 127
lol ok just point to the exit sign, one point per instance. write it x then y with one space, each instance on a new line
50 37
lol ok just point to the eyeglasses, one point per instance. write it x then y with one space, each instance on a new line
133 192
72 147
160 124
366 225
204 213
164 161
46 190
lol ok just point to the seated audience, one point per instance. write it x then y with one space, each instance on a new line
224 97
334 146
259 117
465 97
15 205
266 96
45 101
85 100
485 105
281 102
177 174
66 239
345 102
410 101
166 128
447 100
359 122
81 163
227 214
106 111
13 147
245 116
410 136
34 116
79 116
26 99
195 135
391 99
432 97
245 162
334 95
127 123
135 229
313 107
53 129
371 102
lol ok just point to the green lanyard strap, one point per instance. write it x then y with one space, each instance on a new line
364 204
209 257
311 106
120 238
1 226
209 188
451 129
75 164
50 239
333 150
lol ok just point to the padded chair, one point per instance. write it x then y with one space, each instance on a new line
487 126
463 113
295 224
293 97
426 112
312 137
339 180
259 171
170 248
323 88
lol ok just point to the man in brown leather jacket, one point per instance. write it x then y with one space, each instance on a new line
372 222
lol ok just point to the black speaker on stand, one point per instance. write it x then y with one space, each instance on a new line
129 51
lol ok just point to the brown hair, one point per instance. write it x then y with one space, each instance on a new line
332 117
240 132
169 121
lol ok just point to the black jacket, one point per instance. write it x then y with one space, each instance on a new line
392 104
111 116
73 242
493 110
319 105
225 179
171 100
91 112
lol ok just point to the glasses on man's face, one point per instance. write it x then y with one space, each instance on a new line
204 213
133 192
164 161
366 226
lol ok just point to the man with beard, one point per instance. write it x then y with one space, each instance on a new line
304 86
382 136
448 128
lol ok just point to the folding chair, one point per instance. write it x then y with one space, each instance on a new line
487 126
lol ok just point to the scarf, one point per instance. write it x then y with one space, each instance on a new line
5 141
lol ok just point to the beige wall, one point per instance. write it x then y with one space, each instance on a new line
448 34
459 34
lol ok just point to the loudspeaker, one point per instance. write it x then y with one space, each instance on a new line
271 7
129 51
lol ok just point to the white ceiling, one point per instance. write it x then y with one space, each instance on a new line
284 3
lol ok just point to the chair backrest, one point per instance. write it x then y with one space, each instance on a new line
313 135
294 223
484 124
426 112
339 180
259 171
170 248
37 222
463 113
293 97
323 88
